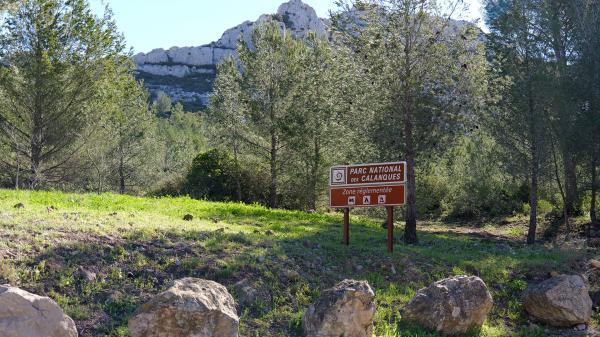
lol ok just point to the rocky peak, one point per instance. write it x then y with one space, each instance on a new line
300 18
186 73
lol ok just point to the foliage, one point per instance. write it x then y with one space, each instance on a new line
211 176
58 57
214 175
184 136
424 76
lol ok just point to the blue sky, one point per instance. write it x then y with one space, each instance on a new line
149 24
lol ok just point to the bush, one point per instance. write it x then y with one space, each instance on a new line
543 207
212 176
586 202
467 182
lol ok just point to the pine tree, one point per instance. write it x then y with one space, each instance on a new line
425 79
57 57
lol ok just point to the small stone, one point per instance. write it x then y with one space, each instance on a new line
261 259
292 275
581 327
87 275
188 217
50 209
269 232
594 264
359 267
115 296
554 273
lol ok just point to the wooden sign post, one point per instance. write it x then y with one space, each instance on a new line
368 185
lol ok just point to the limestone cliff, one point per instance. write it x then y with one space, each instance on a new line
186 74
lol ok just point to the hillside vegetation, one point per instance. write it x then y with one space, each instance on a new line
274 262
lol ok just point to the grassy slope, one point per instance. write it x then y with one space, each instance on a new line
137 246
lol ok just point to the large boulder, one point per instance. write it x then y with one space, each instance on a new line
346 310
23 314
451 306
560 301
191 307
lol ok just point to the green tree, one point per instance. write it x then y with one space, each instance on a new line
318 115
519 121
586 20
163 104
227 112
425 77
270 71
183 135
58 57
133 128
211 176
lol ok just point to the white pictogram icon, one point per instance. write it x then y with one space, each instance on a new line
367 200
351 200
338 176
381 199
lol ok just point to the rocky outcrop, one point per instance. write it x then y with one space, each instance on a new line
346 310
560 301
186 74
451 306
191 307
23 314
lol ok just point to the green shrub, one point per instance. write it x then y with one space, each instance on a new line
212 176
586 202
543 207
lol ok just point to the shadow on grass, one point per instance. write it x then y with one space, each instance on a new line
287 267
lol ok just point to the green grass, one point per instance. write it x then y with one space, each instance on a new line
137 246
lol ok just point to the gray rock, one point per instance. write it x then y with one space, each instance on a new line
191 307
560 301
346 310
87 275
451 306
158 67
23 314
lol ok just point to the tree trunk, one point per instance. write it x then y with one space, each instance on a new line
238 178
593 217
273 162
312 202
37 138
533 192
121 173
18 172
410 229
562 191
570 180
533 198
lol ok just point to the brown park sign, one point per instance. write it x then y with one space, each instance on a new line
368 185
366 196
